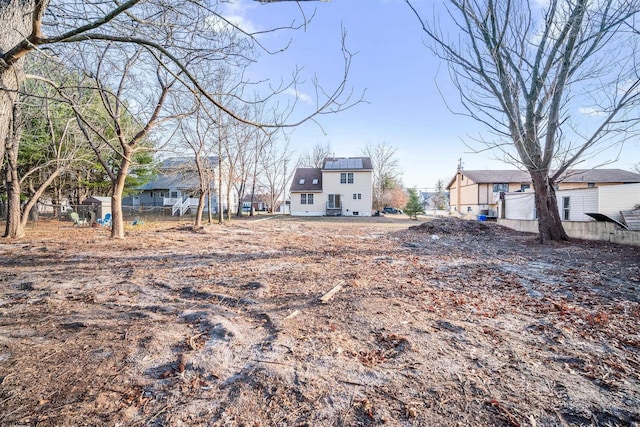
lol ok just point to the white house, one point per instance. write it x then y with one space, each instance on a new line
574 203
343 186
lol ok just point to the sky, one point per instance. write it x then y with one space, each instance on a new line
410 102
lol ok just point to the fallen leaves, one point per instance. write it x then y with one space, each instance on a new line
319 322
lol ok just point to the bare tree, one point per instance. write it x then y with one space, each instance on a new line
554 81
123 94
315 157
186 39
440 197
387 175
197 132
277 170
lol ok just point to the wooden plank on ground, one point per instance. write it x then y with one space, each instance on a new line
327 297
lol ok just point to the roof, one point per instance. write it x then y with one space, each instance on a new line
577 175
188 163
304 178
347 163
100 199
177 181
178 173
601 175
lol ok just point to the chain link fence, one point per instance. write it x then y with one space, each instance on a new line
61 213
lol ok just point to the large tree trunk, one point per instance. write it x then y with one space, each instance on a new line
549 223
15 22
14 227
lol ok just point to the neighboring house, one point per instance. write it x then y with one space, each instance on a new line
574 203
259 205
343 186
430 200
478 191
177 187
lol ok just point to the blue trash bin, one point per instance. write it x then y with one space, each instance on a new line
482 217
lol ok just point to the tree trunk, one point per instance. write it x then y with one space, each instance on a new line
117 222
14 227
549 223
240 198
200 209
15 22
31 205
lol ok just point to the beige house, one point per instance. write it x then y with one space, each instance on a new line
478 191
343 186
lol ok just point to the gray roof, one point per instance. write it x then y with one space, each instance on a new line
179 173
177 181
101 199
188 163
577 175
601 175
347 163
303 180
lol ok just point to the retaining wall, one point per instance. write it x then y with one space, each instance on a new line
588 230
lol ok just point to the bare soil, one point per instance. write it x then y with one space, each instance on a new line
447 322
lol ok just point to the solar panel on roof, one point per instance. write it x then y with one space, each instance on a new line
344 164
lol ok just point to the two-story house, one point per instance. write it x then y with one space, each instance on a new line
343 186
478 191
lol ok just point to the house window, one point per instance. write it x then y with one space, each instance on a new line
309 199
334 201
315 181
524 187
501 187
346 178
174 194
306 199
357 196
591 184
565 208
301 181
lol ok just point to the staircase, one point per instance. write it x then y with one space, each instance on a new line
181 206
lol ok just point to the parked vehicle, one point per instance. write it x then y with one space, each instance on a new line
391 210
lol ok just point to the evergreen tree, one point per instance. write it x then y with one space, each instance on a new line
413 207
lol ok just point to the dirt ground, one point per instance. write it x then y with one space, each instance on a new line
439 323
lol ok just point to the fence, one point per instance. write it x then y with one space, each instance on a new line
62 213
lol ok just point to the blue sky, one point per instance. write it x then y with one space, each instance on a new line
404 85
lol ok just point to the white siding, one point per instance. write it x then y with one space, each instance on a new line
519 205
362 184
608 200
581 200
616 198
316 209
